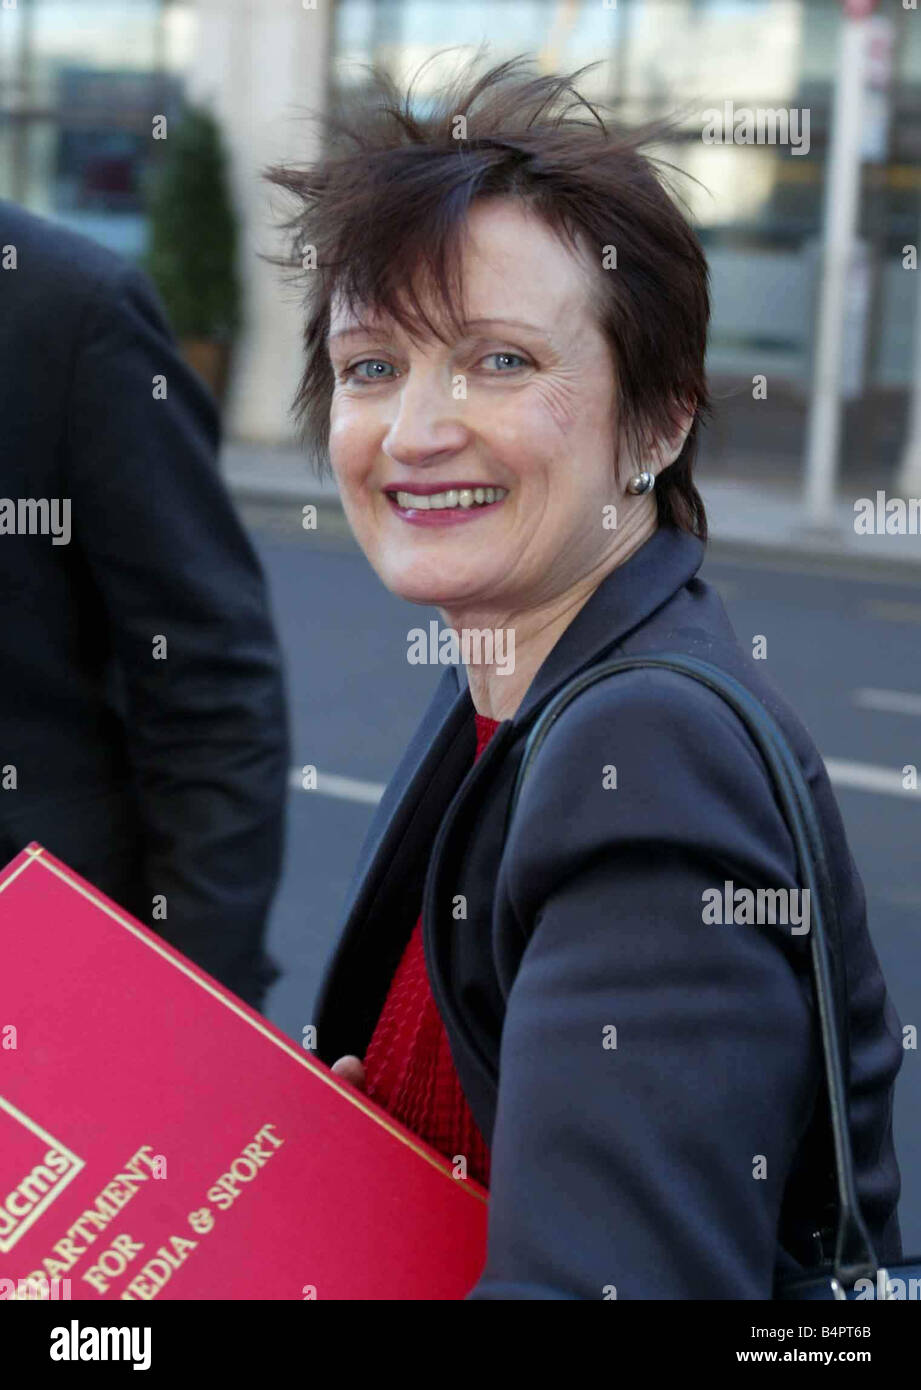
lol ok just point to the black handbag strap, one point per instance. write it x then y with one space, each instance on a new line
854 1255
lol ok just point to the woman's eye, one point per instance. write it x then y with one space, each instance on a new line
371 369
355 374
509 361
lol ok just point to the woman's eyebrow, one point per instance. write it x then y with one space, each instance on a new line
357 329
350 332
508 323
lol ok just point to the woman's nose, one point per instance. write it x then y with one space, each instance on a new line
428 422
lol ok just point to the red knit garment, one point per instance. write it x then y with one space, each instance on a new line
408 1065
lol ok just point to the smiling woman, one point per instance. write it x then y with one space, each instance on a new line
506 326
503 406
504 299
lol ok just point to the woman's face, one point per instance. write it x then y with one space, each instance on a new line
475 474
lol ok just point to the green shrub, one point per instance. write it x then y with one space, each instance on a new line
193 231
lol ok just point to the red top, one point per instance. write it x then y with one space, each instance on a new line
408 1066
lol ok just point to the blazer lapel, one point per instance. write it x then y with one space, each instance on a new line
444 709
386 890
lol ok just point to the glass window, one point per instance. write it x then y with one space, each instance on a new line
758 204
84 80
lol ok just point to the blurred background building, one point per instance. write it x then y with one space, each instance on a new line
82 81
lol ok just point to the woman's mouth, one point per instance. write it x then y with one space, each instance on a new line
456 504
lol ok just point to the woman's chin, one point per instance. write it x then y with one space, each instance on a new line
437 591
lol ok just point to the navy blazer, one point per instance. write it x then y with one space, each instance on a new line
691 1160
146 776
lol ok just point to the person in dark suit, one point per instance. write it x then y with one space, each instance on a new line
553 1004
142 709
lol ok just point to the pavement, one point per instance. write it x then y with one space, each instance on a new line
744 516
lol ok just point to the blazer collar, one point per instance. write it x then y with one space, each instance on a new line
625 598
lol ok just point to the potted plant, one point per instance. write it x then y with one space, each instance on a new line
193 245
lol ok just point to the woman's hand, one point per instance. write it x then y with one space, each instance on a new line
350 1069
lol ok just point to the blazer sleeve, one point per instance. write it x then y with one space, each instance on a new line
648 1162
207 723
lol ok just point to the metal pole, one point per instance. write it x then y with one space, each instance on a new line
841 204
908 482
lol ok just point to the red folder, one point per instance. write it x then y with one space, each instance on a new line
160 1139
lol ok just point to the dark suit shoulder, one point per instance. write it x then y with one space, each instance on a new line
55 260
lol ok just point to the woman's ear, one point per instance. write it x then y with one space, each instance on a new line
668 447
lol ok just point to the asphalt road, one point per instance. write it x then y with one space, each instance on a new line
844 647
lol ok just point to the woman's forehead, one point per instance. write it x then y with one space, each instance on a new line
489 306
507 263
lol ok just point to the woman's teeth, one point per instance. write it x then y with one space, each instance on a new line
460 497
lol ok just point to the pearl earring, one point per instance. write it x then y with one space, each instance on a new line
642 483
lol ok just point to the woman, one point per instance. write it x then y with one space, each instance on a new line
505 357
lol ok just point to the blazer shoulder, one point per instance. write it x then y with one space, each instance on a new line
647 757
653 710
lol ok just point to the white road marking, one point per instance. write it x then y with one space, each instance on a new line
866 777
890 701
343 788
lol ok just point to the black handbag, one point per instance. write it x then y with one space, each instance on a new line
854 1257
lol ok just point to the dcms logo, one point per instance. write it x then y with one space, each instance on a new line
34 1170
